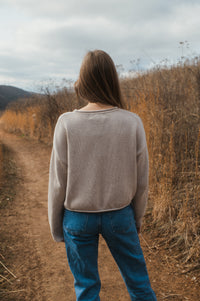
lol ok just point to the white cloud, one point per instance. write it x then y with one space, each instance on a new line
49 38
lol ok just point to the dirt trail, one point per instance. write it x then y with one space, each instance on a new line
40 264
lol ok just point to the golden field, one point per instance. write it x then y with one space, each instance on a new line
1 164
168 101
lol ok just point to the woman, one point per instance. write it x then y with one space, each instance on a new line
98 182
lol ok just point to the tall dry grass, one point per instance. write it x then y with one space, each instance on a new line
168 101
1 164
36 117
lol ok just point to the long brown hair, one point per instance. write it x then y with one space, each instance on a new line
98 80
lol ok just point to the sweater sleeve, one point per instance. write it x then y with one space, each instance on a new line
57 181
140 199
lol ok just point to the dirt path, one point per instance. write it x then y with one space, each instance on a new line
40 264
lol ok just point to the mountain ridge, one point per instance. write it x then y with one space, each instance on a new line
9 94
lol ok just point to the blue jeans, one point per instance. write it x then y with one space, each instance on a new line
81 235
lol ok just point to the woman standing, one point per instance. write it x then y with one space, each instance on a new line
98 182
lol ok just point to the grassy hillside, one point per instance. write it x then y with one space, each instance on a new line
9 94
168 101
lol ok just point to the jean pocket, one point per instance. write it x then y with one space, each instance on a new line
75 222
122 220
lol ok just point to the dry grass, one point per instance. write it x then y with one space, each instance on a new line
8 176
1 164
8 183
36 117
168 101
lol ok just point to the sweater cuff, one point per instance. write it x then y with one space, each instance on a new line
139 223
57 238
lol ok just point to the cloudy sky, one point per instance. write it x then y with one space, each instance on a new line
44 41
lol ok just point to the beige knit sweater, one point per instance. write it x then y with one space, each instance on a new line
99 162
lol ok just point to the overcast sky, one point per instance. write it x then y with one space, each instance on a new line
45 40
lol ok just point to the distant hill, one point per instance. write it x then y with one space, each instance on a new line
10 93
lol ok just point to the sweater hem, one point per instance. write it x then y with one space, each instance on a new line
98 211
